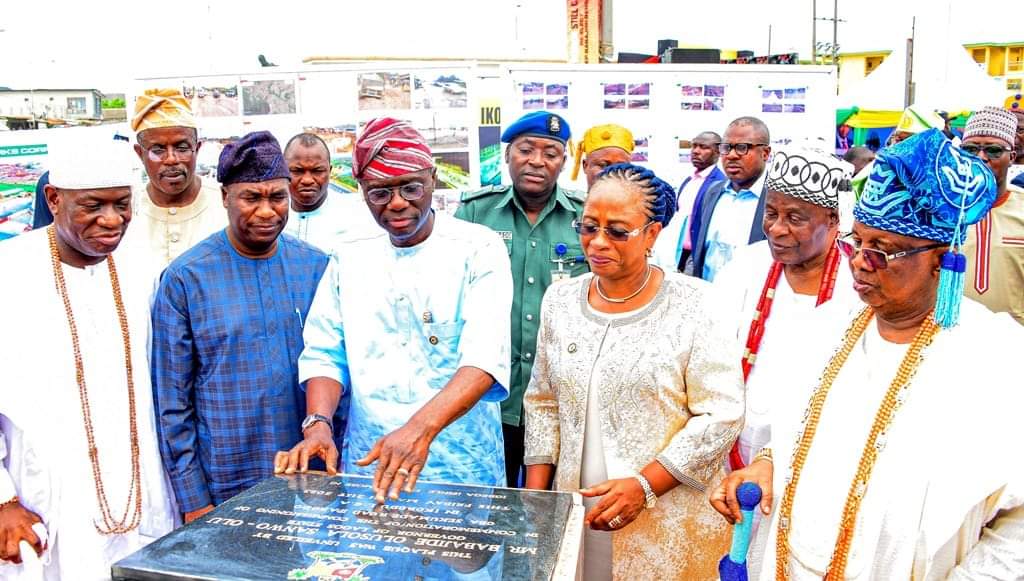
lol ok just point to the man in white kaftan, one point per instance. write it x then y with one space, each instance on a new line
801 221
945 498
45 466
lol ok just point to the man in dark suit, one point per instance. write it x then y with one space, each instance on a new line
731 211
674 242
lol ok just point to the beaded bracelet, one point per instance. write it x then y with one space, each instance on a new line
9 502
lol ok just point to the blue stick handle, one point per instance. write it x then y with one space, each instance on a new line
733 567
749 495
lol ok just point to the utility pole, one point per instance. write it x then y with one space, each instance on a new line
908 94
835 33
769 40
814 32
834 49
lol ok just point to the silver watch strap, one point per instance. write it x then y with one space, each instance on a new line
649 496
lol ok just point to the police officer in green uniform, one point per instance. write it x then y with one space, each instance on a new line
534 217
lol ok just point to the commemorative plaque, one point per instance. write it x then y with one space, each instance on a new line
318 527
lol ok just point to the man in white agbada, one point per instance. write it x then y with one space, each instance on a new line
894 464
80 474
316 214
779 282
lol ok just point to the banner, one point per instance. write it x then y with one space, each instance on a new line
490 142
584 31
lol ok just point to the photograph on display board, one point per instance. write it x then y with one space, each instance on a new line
384 91
692 106
212 101
558 102
214 136
798 93
771 107
341 175
614 103
533 103
533 88
714 90
17 195
639 104
640 149
452 170
685 150
275 97
794 108
614 89
557 89
444 136
639 89
714 103
692 90
446 90
490 155
767 94
339 138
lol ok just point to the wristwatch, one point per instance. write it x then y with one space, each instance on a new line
314 418
650 499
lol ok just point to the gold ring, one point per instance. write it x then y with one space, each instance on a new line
403 471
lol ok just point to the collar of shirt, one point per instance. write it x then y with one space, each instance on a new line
753 191
321 209
558 197
703 174
208 192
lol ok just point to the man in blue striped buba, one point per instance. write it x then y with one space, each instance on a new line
227 334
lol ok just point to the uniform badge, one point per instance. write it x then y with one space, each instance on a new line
505 234
554 127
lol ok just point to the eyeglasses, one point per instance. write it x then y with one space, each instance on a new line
991 151
410 192
877 259
741 148
617 234
181 151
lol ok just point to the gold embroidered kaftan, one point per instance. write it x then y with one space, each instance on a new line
670 389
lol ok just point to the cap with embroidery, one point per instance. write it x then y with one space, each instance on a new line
810 175
256 157
925 187
538 124
992 122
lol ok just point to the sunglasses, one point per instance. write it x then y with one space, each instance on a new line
991 151
411 192
617 234
741 148
877 259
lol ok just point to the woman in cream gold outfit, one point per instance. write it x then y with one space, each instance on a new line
635 395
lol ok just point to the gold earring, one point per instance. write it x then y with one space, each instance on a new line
650 253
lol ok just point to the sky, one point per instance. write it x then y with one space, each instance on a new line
119 40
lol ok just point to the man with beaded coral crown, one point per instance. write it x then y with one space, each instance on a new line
80 474
779 282
883 469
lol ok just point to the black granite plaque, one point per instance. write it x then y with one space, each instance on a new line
328 528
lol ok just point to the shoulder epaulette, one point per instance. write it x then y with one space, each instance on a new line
484 192
575 195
